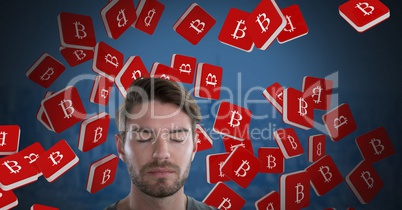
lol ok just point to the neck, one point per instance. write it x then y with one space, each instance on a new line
138 200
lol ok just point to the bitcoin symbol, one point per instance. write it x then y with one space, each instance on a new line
232 147
366 6
271 162
49 72
67 110
98 134
136 72
228 206
302 107
149 18
164 76
264 20
54 156
340 121
211 79
327 174
292 142
299 192
197 27
112 60
240 117
186 68
106 176
32 157
220 169
121 17
290 23
377 143
104 93
317 93
270 206
79 54
3 138
368 179
242 30
319 149
12 167
79 30
237 172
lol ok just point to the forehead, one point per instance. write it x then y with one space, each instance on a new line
154 114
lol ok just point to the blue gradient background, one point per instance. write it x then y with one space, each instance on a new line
366 67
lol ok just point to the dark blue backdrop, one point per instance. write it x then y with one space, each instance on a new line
365 68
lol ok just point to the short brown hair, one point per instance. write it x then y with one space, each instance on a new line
163 90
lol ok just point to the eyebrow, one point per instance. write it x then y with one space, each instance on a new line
149 130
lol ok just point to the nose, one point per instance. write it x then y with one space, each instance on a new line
161 149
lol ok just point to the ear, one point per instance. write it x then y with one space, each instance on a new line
119 146
195 146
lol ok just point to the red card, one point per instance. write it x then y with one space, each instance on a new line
64 109
234 31
272 160
265 23
93 131
118 16
133 69
288 142
364 182
8 200
364 15
214 164
101 89
45 70
232 121
57 160
75 56
208 81
295 190
42 207
231 144
339 122
40 115
324 175
222 197
194 24
32 153
274 94
375 145
316 147
107 61
204 141
163 71
102 173
241 166
298 109
149 13
186 67
76 31
295 24
271 201
9 139
16 172
320 90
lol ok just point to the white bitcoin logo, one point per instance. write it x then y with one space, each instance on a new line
211 79
241 168
271 162
365 6
302 107
79 30
98 134
290 23
340 121
376 143
368 179
199 27
149 18
299 193
49 72
317 94
264 28
67 107
242 30
15 168
106 176
236 116
292 142
121 19
3 138
325 172
55 157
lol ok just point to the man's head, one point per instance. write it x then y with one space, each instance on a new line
156 136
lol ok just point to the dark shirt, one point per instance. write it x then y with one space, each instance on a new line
192 204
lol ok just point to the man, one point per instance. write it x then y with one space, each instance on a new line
156 140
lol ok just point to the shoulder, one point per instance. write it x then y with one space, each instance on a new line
193 204
111 207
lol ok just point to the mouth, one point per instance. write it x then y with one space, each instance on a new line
161 172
